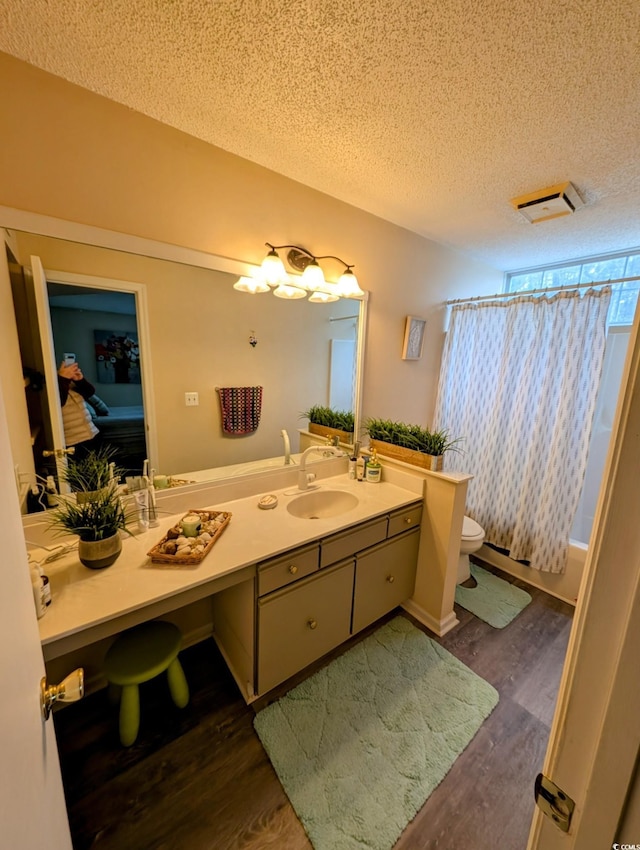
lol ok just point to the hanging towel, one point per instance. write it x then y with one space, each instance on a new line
241 408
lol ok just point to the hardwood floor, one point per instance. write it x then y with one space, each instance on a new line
198 779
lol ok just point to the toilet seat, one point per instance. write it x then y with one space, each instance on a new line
471 530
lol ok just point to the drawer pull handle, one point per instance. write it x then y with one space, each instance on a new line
293 569
390 579
313 624
409 520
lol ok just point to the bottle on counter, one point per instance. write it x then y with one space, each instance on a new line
46 586
38 592
51 492
374 468
353 461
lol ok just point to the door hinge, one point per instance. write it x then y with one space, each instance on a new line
553 802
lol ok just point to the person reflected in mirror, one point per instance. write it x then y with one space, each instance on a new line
80 430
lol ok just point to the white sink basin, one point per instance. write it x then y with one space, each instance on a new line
322 503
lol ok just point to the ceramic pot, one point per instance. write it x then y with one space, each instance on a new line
84 496
97 554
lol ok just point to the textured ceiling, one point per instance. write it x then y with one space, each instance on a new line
429 114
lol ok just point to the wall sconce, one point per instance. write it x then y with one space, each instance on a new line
311 281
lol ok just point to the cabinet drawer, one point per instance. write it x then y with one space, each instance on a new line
404 519
281 571
300 624
385 577
347 543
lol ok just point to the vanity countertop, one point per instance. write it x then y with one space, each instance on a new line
84 599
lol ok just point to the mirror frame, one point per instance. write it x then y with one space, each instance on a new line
42 225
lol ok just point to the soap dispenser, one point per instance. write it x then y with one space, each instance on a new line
374 468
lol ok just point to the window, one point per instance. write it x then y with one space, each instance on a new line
624 297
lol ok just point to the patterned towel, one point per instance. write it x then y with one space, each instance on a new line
241 408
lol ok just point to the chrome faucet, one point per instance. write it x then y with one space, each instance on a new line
304 477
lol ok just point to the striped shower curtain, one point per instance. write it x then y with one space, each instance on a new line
518 383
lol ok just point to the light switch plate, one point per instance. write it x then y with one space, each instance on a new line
191 399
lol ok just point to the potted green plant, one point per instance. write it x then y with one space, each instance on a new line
94 512
93 472
410 443
327 422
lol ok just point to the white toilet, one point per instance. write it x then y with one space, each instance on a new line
472 539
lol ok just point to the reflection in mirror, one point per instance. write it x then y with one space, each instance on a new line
201 335
98 329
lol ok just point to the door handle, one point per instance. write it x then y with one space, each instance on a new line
71 689
59 452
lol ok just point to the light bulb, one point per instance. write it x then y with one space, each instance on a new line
272 268
348 286
285 290
312 276
319 297
251 285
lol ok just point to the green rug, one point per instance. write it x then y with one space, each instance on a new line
494 600
361 744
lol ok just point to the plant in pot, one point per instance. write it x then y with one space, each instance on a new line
91 473
327 422
94 512
410 443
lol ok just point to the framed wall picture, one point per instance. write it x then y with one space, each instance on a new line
413 338
117 357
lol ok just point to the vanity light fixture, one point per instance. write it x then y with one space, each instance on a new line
312 279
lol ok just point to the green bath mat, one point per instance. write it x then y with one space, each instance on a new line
494 600
361 744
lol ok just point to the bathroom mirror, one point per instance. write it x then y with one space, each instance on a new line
201 335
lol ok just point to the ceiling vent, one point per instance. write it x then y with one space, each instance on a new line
546 204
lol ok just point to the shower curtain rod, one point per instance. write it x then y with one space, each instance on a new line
539 291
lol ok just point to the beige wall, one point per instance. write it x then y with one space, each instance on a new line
74 155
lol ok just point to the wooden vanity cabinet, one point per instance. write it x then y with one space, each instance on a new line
385 577
278 572
347 543
308 601
404 519
301 623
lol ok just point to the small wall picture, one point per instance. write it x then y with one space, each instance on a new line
413 338
117 357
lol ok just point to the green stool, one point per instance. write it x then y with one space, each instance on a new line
138 655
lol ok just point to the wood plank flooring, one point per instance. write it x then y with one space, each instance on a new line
198 779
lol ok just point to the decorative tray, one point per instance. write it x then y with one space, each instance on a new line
175 548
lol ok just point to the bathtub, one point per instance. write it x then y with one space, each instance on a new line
565 586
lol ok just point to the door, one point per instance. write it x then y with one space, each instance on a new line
92 303
595 737
32 807
50 367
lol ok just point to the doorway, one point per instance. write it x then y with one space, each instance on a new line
99 328
100 322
